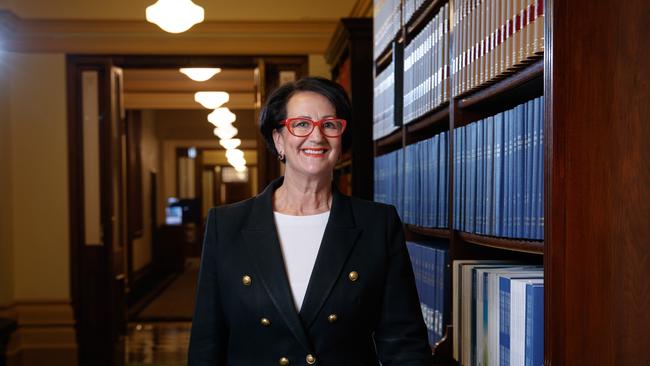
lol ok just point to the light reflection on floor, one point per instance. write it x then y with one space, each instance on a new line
160 344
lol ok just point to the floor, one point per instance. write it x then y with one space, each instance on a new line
159 343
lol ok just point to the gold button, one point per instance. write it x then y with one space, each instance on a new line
246 280
353 276
310 359
332 318
265 322
284 361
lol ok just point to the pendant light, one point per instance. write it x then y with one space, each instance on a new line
175 16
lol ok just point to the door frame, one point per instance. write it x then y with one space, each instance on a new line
91 267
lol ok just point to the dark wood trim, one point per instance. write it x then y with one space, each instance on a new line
422 16
429 232
428 125
384 58
509 87
528 246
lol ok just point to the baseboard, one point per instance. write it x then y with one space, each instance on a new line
45 334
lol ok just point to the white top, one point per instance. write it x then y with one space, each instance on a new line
300 238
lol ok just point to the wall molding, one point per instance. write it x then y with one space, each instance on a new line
140 37
45 334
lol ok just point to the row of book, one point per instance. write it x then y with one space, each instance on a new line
499 174
386 23
432 280
389 179
384 103
409 7
498 312
426 182
425 67
493 38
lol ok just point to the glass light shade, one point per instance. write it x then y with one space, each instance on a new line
234 153
225 132
175 16
237 161
200 73
230 143
211 99
221 116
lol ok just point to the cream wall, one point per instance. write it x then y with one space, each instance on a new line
39 177
318 66
6 245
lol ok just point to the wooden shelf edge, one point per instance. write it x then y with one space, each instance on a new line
427 231
384 58
429 119
526 74
527 246
390 140
421 16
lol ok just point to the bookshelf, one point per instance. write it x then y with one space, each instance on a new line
596 174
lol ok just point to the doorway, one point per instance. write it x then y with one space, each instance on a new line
138 153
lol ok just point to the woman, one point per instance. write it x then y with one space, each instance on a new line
302 274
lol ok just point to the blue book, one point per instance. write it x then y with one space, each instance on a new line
507 149
480 175
456 197
489 178
399 181
498 175
471 196
528 168
534 343
540 163
462 146
521 117
442 180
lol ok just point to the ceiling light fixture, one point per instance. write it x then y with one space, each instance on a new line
229 144
226 132
175 16
221 117
200 73
211 99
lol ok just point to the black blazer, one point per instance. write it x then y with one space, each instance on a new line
361 305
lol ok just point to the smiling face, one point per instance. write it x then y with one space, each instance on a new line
313 156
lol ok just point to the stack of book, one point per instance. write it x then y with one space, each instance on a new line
426 188
498 312
432 277
493 38
384 103
386 23
499 174
425 67
389 179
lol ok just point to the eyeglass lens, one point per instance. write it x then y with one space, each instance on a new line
303 127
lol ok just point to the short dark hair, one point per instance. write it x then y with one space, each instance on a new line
275 108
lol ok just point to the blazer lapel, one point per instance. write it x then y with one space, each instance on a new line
263 246
338 241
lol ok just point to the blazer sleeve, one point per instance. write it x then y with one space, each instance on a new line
209 334
401 336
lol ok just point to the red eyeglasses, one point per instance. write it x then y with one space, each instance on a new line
301 126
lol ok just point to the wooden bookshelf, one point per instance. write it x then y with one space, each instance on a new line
527 246
593 76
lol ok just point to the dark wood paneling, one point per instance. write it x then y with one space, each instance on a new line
599 182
